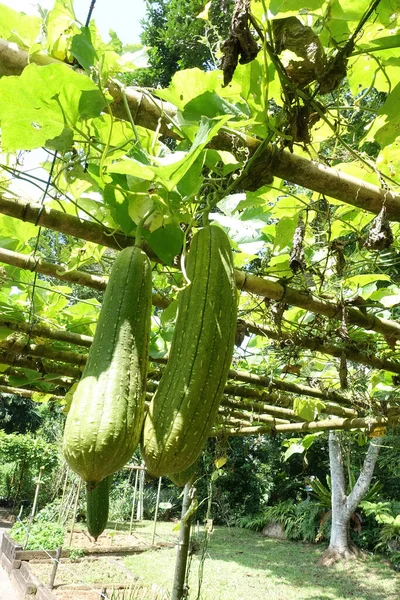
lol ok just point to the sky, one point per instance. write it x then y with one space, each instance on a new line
123 16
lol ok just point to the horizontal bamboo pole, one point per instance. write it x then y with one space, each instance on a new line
152 113
304 299
36 364
246 415
58 384
69 224
60 221
35 264
43 331
265 405
43 351
317 345
367 423
7 389
256 408
93 281
289 386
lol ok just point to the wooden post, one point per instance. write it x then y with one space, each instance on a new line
178 591
156 511
63 494
139 513
133 501
74 513
55 567
35 500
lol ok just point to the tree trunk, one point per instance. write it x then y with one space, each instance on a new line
340 546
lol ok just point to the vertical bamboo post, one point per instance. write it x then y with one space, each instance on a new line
55 567
139 514
34 506
63 494
133 501
156 511
74 513
178 591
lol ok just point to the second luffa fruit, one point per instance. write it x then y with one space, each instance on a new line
184 407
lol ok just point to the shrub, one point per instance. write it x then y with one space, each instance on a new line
42 536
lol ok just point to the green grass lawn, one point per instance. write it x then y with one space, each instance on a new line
239 565
242 565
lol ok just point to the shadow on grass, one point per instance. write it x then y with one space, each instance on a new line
296 564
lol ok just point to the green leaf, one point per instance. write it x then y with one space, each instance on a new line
82 49
284 232
293 449
210 105
387 126
166 242
382 43
293 6
117 197
41 398
18 27
169 175
169 313
130 166
361 280
60 28
41 102
189 84
306 407
15 234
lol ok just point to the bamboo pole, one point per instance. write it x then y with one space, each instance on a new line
285 413
42 216
34 507
323 347
36 364
182 548
7 389
304 299
47 332
63 493
368 423
43 351
133 502
36 264
56 562
74 511
152 113
156 511
139 513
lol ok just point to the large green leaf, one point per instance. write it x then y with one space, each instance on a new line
293 6
39 104
83 50
189 84
166 242
170 171
387 127
18 27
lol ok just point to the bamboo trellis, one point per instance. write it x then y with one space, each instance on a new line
267 405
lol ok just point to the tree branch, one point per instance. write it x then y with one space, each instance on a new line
364 479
